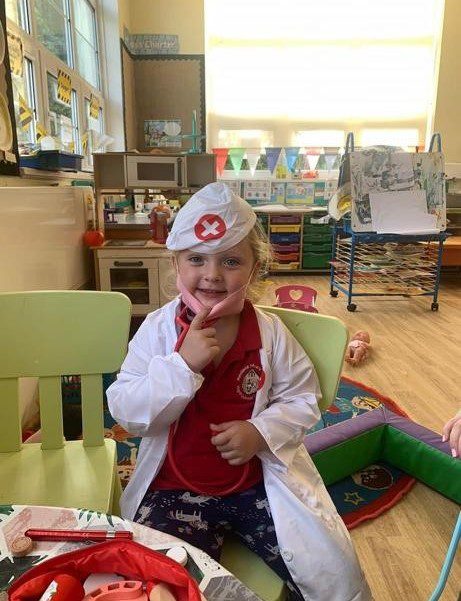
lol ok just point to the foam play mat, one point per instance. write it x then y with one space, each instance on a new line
364 476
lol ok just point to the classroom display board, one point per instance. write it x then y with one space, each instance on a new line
162 88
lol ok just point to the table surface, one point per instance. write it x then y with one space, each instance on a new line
215 582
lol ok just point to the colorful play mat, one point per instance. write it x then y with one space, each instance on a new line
360 496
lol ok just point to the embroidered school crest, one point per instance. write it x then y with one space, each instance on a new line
249 380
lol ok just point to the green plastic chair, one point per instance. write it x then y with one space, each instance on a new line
48 334
324 339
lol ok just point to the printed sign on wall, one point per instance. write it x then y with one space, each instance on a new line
64 87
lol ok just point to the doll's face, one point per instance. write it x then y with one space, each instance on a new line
362 335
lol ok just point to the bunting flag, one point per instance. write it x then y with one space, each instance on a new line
331 155
272 155
94 107
253 155
221 158
40 131
291 156
312 157
236 158
64 87
25 114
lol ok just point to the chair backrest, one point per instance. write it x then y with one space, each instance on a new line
296 297
48 334
324 339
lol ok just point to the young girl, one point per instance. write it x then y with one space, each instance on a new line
222 395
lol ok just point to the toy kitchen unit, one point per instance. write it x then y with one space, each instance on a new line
128 187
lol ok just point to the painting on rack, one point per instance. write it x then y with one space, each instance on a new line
387 170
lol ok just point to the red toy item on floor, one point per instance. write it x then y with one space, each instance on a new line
126 558
358 348
301 298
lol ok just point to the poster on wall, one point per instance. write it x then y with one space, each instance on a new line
162 133
9 159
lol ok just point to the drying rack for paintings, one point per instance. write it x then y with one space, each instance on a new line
365 263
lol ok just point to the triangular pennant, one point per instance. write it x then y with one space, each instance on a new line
331 154
253 155
272 156
25 114
291 155
221 159
236 157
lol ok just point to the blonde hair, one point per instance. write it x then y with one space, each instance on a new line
262 252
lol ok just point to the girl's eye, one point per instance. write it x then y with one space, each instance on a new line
195 260
231 262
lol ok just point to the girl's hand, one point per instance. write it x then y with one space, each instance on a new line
452 433
237 441
199 346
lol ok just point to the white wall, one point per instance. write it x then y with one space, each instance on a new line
184 18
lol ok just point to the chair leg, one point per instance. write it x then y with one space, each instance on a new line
449 558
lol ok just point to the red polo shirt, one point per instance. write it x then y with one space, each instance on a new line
227 393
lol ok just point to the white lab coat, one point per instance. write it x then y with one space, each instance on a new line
152 390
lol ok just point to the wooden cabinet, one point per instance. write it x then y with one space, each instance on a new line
143 272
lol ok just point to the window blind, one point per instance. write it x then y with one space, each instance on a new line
305 72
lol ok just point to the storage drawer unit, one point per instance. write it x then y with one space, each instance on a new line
297 243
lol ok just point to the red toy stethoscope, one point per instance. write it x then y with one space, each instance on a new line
182 322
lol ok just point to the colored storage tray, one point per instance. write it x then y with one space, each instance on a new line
308 237
285 229
317 247
286 248
317 228
316 260
284 238
275 266
286 257
285 219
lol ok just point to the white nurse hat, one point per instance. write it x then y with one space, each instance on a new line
213 220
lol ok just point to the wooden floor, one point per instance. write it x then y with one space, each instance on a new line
416 361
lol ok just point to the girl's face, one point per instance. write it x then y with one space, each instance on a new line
211 278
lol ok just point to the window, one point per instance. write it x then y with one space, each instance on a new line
53 36
53 28
94 128
16 10
62 117
86 42
25 105
325 65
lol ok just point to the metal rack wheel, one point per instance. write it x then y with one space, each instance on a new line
435 307
351 307
334 293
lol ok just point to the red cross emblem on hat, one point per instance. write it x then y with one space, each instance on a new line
210 227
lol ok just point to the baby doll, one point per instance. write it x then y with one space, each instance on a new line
358 348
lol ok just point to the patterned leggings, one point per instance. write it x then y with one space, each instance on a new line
202 521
